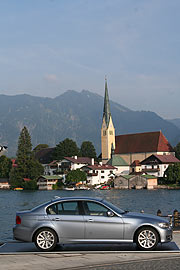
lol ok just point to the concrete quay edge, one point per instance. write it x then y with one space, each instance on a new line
63 260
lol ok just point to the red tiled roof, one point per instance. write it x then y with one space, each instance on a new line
26 179
142 143
101 167
167 159
14 164
82 160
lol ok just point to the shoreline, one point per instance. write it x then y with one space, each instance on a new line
156 188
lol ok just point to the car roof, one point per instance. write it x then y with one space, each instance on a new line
77 198
61 199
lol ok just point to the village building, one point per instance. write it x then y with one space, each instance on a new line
121 165
67 164
99 173
4 183
46 182
135 167
135 182
74 163
157 164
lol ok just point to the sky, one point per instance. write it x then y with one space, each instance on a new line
50 46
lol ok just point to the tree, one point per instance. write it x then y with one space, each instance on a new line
40 147
27 165
88 150
5 166
169 174
177 150
75 176
172 174
176 168
66 148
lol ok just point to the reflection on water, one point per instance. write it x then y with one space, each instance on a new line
133 200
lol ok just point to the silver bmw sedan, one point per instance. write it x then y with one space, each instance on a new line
88 220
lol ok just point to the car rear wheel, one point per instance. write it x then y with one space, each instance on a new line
147 238
45 239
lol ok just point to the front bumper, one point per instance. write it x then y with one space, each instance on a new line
166 235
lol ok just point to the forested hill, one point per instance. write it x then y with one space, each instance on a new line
76 115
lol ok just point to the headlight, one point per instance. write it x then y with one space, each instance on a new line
164 225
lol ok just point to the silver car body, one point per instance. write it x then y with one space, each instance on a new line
121 227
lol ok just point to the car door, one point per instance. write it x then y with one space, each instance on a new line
99 226
68 220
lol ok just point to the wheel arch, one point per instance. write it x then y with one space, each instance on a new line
44 227
146 226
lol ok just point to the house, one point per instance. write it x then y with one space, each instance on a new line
74 163
67 164
46 182
129 147
99 173
157 164
135 182
51 168
135 167
4 183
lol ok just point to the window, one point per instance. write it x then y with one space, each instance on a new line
63 208
104 132
102 176
102 171
110 132
94 209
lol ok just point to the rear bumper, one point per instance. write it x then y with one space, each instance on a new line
22 233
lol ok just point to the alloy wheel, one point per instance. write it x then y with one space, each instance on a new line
46 240
147 239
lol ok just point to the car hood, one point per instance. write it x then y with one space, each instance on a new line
144 216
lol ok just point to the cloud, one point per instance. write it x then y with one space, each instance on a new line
51 78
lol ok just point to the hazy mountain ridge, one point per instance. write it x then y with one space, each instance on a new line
74 115
176 122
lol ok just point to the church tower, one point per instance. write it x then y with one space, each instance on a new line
107 129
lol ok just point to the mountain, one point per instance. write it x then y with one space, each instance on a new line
176 122
74 115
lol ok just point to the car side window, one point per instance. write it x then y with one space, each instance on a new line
95 209
70 208
64 208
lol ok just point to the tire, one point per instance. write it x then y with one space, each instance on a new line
45 239
147 239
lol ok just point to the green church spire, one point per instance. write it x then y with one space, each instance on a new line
106 112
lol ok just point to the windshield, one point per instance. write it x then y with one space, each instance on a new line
113 207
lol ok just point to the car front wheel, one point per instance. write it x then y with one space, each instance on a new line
45 239
146 239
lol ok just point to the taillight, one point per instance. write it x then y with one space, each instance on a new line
18 220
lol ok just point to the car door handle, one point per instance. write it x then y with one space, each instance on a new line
56 219
90 220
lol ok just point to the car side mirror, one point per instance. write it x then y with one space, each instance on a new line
110 214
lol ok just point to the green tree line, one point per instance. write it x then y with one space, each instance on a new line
28 168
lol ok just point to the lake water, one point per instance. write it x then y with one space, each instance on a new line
134 200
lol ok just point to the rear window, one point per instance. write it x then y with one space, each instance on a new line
64 208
